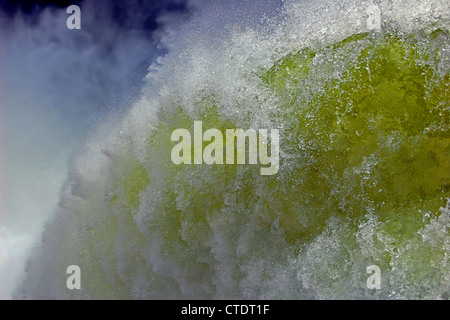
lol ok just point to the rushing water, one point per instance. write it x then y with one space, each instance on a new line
364 172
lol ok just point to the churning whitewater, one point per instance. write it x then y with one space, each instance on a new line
364 169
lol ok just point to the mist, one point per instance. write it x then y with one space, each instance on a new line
56 87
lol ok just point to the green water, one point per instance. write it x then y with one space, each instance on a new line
364 177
